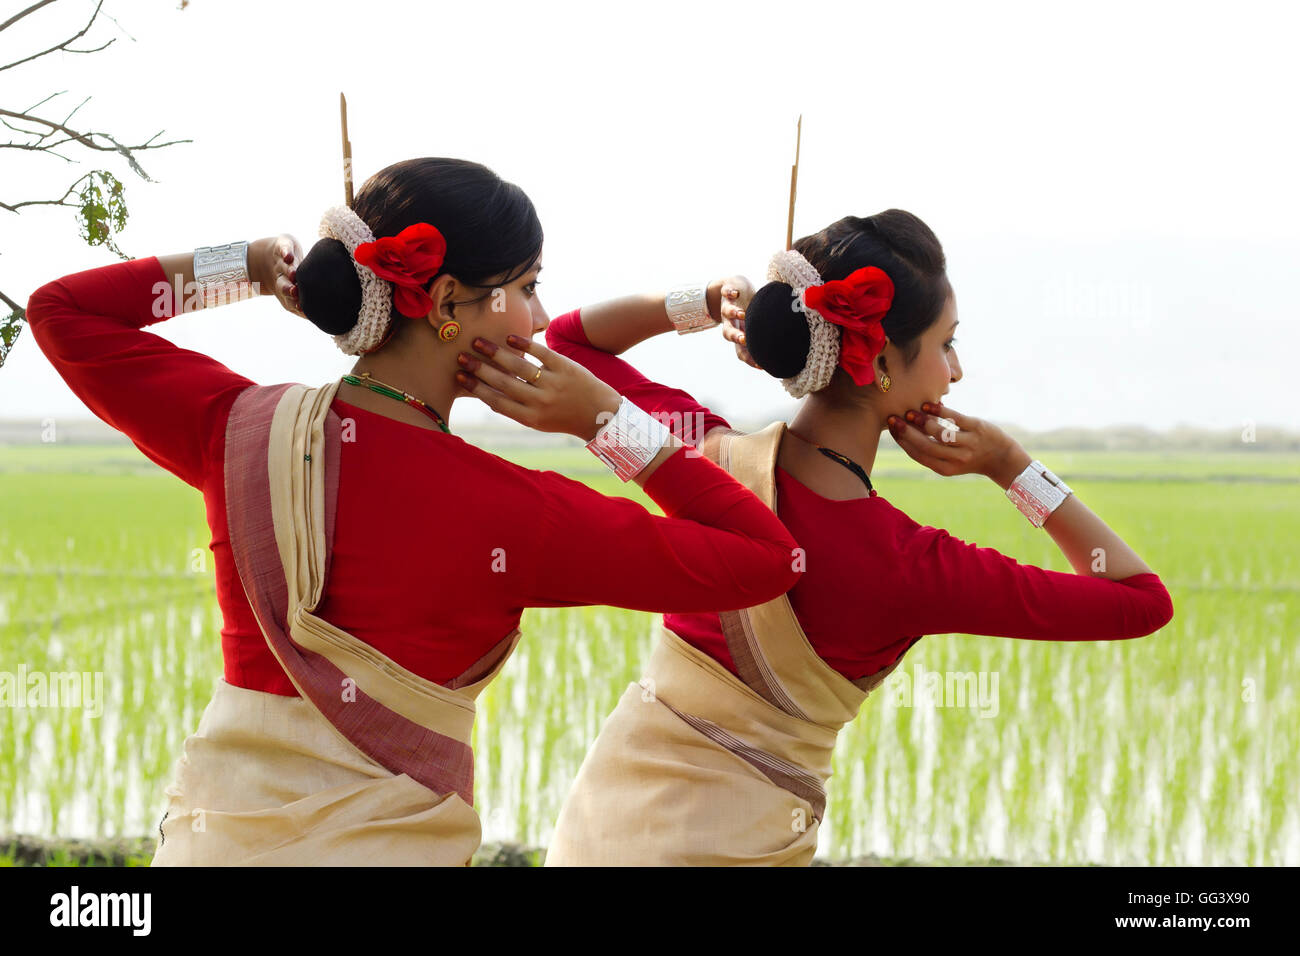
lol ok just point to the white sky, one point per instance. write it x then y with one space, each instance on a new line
1114 184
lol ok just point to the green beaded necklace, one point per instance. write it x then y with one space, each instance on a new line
376 386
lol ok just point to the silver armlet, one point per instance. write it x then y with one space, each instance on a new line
629 441
221 273
1037 492
688 309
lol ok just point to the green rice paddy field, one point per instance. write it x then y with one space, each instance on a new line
1178 748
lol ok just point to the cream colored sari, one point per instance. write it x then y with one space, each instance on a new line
372 763
697 767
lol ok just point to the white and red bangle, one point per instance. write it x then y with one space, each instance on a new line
1037 492
629 441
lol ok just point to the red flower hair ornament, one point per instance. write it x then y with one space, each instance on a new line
857 304
408 260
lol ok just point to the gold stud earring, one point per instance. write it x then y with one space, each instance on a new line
884 382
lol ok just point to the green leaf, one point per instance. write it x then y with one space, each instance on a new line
102 211
10 327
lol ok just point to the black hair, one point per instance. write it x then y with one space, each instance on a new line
895 241
490 226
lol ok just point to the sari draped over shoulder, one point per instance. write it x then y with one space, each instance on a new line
699 767
372 764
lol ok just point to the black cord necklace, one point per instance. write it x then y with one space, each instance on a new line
848 463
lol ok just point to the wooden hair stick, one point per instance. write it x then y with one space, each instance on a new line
347 152
794 180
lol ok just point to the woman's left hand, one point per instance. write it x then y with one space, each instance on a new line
273 264
560 396
736 292
950 443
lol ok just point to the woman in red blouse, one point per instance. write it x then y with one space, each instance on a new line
371 566
732 767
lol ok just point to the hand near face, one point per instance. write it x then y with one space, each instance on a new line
559 395
273 264
950 443
736 293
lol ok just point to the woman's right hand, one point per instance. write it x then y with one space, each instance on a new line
735 296
950 443
273 266
566 397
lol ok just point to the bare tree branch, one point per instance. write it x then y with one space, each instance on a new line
71 50
74 110
88 140
8 301
48 148
85 138
62 46
97 196
45 202
18 16
5 122
119 26
44 101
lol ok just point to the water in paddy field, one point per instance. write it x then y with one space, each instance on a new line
1179 748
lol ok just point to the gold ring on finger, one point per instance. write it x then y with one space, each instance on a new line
533 380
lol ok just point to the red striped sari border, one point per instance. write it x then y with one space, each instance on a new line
441 763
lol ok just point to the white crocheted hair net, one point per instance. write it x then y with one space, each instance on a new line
797 272
341 223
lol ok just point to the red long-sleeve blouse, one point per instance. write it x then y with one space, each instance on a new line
875 580
439 545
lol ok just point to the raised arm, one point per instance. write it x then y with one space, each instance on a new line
717 547
689 420
950 586
979 447
959 587
169 401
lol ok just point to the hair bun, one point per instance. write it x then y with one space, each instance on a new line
329 292
776 332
